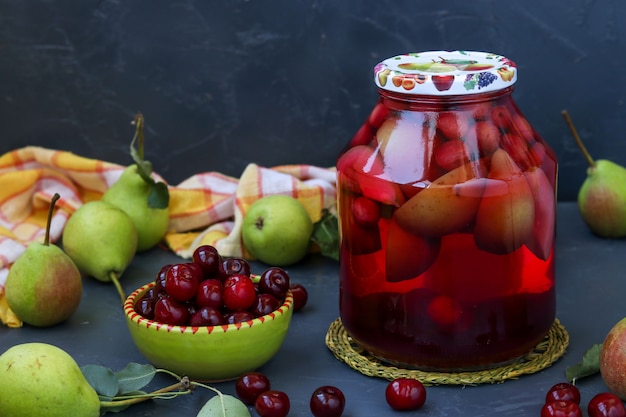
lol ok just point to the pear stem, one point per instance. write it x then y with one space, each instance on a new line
116 281
55 197
139 135
184 385
582 147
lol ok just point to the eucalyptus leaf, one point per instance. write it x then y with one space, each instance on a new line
589 365
224 406
102 379
134 376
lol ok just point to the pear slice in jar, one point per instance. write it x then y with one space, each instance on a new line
542 240
505 217
408 255
442 207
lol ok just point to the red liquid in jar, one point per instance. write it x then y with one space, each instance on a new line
447 224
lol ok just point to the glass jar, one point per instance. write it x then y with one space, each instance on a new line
447 204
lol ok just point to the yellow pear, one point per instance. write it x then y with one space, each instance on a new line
44 286
39 379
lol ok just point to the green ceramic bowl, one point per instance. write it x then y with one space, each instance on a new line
209 353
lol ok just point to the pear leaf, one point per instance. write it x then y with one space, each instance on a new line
134 376
223 405
159 197
102 380
589 365
326 234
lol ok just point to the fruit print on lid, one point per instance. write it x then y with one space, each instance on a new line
445 73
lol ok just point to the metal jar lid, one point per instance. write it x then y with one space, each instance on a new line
445 73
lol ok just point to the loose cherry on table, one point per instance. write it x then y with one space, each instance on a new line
561 409
272 403
563 391
327 401
606 404
250 385
405 394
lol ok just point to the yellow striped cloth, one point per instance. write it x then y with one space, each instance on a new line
207 208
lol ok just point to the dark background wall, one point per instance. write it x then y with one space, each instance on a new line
225 83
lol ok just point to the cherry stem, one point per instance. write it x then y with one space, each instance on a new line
55 197
116 281
582 147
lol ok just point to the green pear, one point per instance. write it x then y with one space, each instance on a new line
143 199
101 239
44 286
602 196
277 230
602 199
39 379
131 194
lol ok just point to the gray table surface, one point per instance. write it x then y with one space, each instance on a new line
591 285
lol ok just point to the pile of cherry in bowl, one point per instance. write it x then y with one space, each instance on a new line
213 290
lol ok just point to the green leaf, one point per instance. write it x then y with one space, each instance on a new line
589 365
102 379
224 406
159 197
134 377
326 234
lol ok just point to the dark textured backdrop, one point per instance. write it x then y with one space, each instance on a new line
225 83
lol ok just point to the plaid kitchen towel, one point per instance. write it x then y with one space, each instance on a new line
207 208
